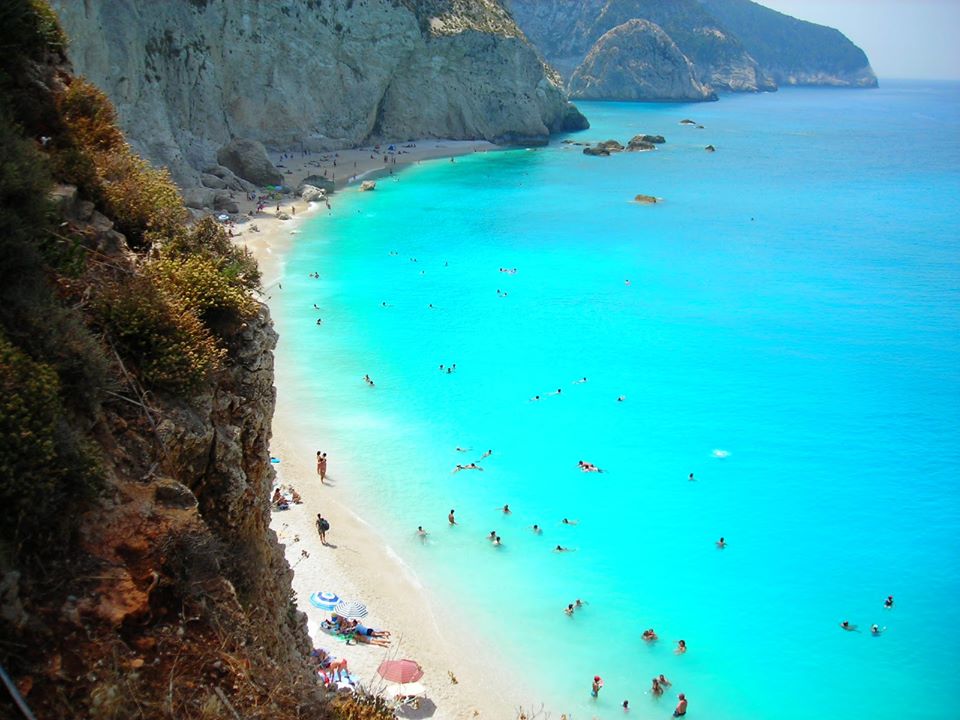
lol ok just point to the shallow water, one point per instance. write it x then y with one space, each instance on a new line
794 301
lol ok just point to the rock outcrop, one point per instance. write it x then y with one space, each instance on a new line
248 160
637 61
734 45
188 77
794 52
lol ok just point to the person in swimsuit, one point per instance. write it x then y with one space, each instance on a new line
847 626
721 543
496 541
450 518
597 685
569 522
681 706
562 549
888 603
649 635
569 610
506 510
681 647
536 530
663 681
421 532
876 629
655 689
322 466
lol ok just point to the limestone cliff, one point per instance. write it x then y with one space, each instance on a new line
637 61
734 45
793 51
187 76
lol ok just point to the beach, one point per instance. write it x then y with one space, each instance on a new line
357 564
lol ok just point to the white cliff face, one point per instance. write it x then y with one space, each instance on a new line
637 61
187 76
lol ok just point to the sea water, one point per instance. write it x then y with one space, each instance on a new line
784 324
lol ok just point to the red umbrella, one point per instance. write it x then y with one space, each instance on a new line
400 671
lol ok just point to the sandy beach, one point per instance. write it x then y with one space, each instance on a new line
461 672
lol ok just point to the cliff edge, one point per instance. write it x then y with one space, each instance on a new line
189 76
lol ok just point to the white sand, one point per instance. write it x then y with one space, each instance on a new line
357 564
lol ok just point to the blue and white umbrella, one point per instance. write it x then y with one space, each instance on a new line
324 600
350 610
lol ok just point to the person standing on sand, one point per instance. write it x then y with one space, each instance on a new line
322 465
322 527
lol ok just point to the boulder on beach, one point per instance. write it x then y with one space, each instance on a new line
248 160
309 193
645 199
367 185
317 181
198 198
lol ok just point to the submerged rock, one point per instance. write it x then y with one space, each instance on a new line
367 185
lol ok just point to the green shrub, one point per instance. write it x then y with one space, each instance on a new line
169 345
91 117
200 284
42 464
208 239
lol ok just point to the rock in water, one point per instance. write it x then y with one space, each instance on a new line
645 199
367 185
655 139
637 61
710 148
596 151
248 160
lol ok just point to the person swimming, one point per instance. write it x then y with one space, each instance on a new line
663 681
468 466
492 536
847 626
569 610
888 603
487 454
459 449
560 548
721 543
537 530
565 521
450 518
367 380
649 635
420 531
681 647
621 398
496 541
655 688
580 381
506 510
876 629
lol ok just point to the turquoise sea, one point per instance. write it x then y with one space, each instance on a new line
794 302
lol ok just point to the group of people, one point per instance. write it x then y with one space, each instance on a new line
280 501
659 685
875 629
354 630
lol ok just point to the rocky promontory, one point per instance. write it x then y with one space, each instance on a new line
637 61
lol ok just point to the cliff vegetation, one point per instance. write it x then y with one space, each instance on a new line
138 575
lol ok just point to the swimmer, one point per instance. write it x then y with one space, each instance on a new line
319 321
384 304
721 543
649 635
681 647
470 466
492 536
569 610
690 477
597 685
496 541
487 454
622 398
534 398
569 522
537 530
581 381
663 681
450 518
655 689
626 706
888 603
460 449
876 629
421 532
847 626
626 282
681 706
579 603
506 510
556 393
367 380
560 548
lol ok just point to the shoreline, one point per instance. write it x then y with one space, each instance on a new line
358 563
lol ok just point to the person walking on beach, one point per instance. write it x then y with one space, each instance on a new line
322 527
681 706
322 465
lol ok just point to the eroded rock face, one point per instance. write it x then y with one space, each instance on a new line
637 61
188 77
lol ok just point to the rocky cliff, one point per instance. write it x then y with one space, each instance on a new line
637 61
733 45
187 76
138 574
793 51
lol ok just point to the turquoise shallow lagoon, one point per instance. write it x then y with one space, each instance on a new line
794 301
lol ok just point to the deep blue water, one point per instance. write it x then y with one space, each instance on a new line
794 301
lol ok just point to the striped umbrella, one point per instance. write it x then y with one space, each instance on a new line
324 600
400 671
350 610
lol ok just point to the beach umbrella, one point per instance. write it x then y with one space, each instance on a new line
400 671
350 610
324 600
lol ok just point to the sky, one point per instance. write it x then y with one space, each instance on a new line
902 38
